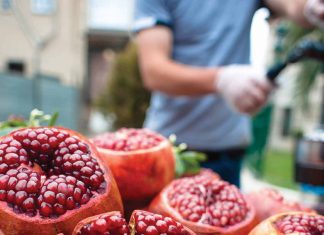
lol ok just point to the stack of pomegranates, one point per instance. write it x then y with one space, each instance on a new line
55 181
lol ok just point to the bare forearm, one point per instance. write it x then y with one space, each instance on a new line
174 78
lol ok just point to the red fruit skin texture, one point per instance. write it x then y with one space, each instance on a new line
268 202
275 225
162 205
141 222
141 174
12 223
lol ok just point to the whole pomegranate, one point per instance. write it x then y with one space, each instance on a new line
268 202
206 205
141 222
50 179
141 161
299 223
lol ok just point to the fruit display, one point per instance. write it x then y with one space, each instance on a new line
268 202
141 160
292 223
50 179
206 205
55 181
141 222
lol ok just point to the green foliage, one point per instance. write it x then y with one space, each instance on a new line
187 162
288 35
36 118
125 96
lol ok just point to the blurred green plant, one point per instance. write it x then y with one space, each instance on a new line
288 35
125 96
36 118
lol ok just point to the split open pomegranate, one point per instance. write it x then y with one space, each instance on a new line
50 179
268 202
141 222
206 205
141 160
289 223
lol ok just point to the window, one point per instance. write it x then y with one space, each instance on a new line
16 66
286 122
43 7
6 5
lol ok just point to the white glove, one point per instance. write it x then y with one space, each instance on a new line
244 87
314 12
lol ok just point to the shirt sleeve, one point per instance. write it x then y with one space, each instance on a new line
149 13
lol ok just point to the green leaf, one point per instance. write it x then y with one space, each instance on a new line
36 118
53 119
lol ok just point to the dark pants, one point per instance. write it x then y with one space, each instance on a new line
226 163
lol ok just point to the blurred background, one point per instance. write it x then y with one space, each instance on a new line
78 58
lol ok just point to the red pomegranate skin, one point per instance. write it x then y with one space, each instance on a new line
291 223
141 222
139 173
44 212
268 202
206 205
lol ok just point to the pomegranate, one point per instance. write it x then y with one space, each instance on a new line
206 205
141 161
50 179
301 223
268 202
141 222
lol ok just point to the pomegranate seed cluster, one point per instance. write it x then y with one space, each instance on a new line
47 171
153 224
303 224
208 201
128 139
106 225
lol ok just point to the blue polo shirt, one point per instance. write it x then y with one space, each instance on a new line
206 33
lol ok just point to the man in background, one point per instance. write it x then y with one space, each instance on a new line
194 57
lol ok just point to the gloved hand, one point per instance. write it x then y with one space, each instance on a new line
244 87
314 12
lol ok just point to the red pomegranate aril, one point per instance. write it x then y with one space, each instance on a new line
128 140
301 224
46 209
141 227
70 203
36 187
28 204
113 223
101 225
20 197
287 223
3 195
206 204
161 226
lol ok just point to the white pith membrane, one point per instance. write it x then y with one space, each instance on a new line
46 172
